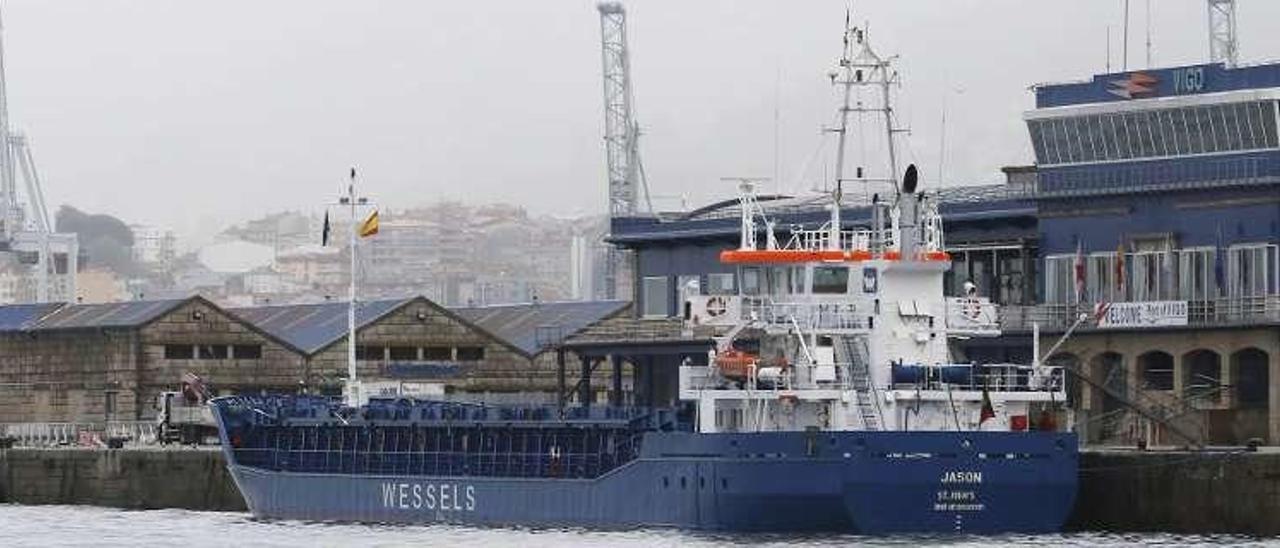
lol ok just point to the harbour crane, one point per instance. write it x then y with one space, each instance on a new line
30 233
1222 32
621 132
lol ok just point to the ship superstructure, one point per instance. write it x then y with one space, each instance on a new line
847 328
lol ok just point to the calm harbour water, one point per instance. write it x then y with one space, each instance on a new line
93 526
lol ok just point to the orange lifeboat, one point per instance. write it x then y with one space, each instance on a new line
735 364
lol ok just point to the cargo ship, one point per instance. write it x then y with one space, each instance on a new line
830 402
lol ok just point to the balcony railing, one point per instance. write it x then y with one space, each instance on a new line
1222 312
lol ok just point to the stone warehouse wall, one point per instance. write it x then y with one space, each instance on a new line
197 323
115 374
430 331
67 375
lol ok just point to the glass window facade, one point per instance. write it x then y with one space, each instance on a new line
1157 133
656 294
1189 274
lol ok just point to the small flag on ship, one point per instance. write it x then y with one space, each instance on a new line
988 412
370 226
324 232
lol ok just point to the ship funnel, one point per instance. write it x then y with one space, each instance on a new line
909 180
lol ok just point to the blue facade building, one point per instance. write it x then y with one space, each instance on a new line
1175 168
1153 206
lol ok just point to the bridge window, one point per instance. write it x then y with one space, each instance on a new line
1156 133
831 280
750 281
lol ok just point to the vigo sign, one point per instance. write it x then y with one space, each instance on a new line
1188 80
1143 314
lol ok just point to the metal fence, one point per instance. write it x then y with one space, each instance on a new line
78 434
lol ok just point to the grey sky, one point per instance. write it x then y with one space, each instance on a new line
196 114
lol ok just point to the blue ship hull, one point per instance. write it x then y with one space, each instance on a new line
862 482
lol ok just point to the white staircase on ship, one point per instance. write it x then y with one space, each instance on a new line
852 349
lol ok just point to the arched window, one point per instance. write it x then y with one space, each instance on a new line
1156 368
1251 378
1202 381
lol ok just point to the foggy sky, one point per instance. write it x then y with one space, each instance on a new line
193 115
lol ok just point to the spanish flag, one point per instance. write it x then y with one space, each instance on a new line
370 226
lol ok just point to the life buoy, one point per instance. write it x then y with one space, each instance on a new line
972 309
716 306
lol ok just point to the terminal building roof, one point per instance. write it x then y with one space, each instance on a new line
721 219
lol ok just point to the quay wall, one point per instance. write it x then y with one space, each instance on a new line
193 479
1181 492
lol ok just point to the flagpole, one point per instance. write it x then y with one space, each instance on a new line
353 385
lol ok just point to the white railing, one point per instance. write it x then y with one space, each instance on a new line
819 239
810 315
972 316
80 434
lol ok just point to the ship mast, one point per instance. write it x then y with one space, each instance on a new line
846 80
863 68
352 391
